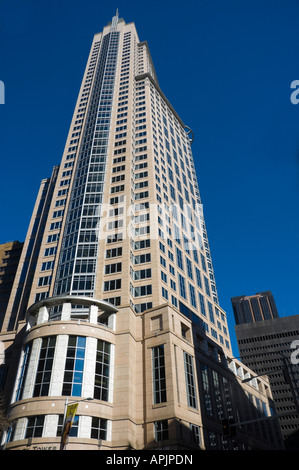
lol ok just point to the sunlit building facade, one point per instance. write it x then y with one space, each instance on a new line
115 297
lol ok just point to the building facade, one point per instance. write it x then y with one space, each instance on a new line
10 253
268 346
115 305
254 308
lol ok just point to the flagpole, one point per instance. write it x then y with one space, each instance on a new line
65 408
66 404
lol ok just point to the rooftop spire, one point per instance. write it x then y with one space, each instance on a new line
114 20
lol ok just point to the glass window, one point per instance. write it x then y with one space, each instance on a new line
179 259
211 312
112 285
189 268
207 286
203 262
195 430
113 268
202 304
192 295
74 364
45 365
198 277
212 440
182 286
164 293
139 259
139 308
174 301
23 373
159 379
98 428
141 274
74 428
35 426
218 395
206 390
190 384
102 372
141 290
161 430
60 426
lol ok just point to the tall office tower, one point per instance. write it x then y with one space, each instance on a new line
253 308
115 297
268 345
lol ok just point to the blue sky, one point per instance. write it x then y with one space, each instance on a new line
226 67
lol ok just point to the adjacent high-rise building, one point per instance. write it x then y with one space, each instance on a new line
269 345
10 253
114 305
254 308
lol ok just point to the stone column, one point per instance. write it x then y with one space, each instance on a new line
20 430
89 367
42 316
58 365
84 426
32 366
50 425
93 315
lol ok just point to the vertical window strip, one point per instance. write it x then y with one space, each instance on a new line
94 151
190 384
23 374
74 364
207 390
195 431
159 379
102 372
44 368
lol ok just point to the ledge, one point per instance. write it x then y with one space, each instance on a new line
73 299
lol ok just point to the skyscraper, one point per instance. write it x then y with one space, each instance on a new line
267 344
115 294
254 308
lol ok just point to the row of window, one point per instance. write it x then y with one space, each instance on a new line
136 275
145 290
73 369
176 144
159 377
98 429
114 284
36 425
